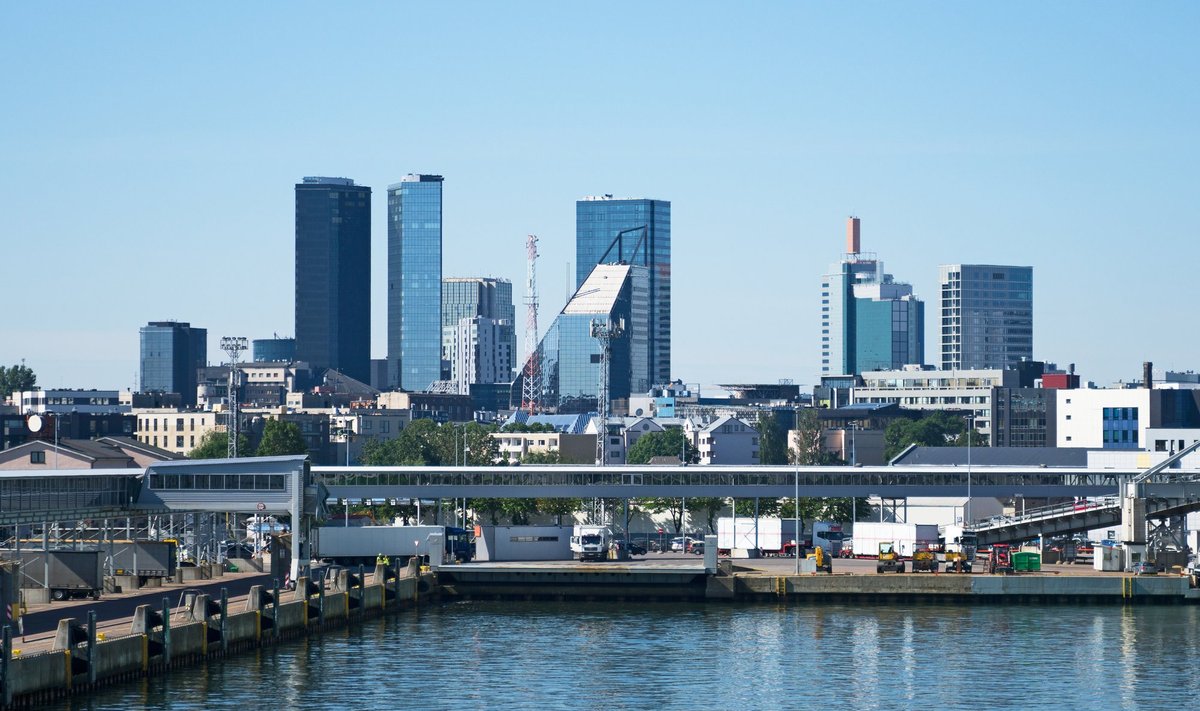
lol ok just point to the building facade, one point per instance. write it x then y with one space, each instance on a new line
414 282
174 431
333 275
274 350
637 232
868 320
570 356
479 338
987 316
171 353
1123 418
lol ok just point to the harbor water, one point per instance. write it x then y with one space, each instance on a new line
536 655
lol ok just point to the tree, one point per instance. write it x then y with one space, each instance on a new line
658 505
519 511
710 506
936 429
215 445
668 443
549 456
766 507
810 441
559 507
16 378
772 440
281 438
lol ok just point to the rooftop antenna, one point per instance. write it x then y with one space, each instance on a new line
531 382
234 346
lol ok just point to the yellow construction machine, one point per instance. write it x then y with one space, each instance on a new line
924 560
823 561
889 559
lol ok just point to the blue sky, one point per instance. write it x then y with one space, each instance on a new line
148 153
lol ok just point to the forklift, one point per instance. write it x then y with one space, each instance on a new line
1000 559
889 559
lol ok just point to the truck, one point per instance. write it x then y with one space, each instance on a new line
830 536
906 537
66 573
362 545
591 542
958 547
145 559
775 536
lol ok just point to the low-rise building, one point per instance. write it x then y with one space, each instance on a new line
728 440
175 431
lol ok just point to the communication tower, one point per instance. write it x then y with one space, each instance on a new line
531 382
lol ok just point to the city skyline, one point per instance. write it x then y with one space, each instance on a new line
1071 156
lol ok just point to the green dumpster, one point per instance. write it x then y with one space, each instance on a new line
1026 562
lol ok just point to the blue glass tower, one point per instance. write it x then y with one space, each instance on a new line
637 232
414 349
333 275
171 352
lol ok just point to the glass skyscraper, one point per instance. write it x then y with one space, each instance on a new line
638 232
414 349
869 321
333 275
171 353
569 355
987 316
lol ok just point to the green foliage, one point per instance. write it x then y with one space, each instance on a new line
215 445
426 443
18 377
709 507
519 511
558 508
936 429
664 504
766 507
772 441
668 443
528 427
551 456
832 509
281 438
810 441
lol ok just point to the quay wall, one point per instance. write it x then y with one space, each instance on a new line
28 681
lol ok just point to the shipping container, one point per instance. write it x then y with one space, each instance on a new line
66 573
146 559
355 545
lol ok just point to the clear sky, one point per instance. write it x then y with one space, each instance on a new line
148 153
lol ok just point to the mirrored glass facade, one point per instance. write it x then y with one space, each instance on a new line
570 356
415 282
464 302
333 275
631 231
171 353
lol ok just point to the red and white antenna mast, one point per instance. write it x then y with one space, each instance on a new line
531 385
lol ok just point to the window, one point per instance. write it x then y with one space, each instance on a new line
38 457
179 441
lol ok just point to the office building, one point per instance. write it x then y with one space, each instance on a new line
869 321
479 313
273 350
987 316
637 232
333 275
414 299
171 353
570 356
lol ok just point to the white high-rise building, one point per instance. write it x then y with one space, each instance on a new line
987 316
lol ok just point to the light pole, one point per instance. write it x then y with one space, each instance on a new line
967 507
796 514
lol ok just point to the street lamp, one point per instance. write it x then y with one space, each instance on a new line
967 507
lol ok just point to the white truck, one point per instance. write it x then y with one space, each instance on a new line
360 545
774 535
591 542
906 536
829 536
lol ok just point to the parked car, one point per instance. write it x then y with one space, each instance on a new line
636 548
697 547
1145 568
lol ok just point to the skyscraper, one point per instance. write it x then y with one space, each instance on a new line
868 320
987 315
478 313
333 275
638 232
570 356
171 352
415 282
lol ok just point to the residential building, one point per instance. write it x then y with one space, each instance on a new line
175 431
966 392
350 430
479 339
440 407
569 355
638 232
987 316
333 275
171 352
414 300
869 321
66 401
571 448
728 440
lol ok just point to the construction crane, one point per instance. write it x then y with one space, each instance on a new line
532 375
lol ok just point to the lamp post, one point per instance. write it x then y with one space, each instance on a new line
967 507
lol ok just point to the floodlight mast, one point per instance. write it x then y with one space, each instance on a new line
234 346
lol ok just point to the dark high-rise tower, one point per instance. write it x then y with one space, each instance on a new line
171 352
637 232
987 315
333 275
414 347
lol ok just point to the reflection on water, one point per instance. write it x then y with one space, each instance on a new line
516 655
